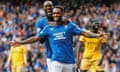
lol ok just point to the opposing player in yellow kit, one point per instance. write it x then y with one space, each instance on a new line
17 56
92 57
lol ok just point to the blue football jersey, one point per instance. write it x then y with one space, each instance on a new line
61 41
40 24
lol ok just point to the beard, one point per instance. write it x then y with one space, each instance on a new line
57 19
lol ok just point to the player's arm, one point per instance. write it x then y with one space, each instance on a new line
79 52
9 58
25 55
78 31
38 37
27 41
104 46
38 26
90 34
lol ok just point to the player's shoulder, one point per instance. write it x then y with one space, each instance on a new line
46 27
41 19
69 23
82 36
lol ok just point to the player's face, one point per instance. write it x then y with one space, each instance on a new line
96 26
57 14
48 9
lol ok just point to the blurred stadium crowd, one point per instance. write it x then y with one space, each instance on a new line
17 16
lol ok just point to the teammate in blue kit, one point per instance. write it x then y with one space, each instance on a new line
60 38
40 24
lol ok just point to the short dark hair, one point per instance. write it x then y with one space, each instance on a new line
60 7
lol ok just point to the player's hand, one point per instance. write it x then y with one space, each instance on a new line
103 35
26 65
100 62
77 67
78 64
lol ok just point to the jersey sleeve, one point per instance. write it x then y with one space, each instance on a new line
43 33
76 29
82 38
38 26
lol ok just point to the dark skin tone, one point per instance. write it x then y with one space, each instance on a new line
57 15
48 10
79 53
95 29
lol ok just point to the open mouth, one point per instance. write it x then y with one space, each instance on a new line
49 13
49 10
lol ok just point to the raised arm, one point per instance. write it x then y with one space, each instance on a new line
9 58
27 41
79 52
104 46
90 34
77 31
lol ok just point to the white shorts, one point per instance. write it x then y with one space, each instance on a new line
62 67
49 62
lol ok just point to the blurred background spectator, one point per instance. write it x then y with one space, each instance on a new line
18 15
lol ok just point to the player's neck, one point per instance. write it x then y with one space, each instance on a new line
50 18
60 22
